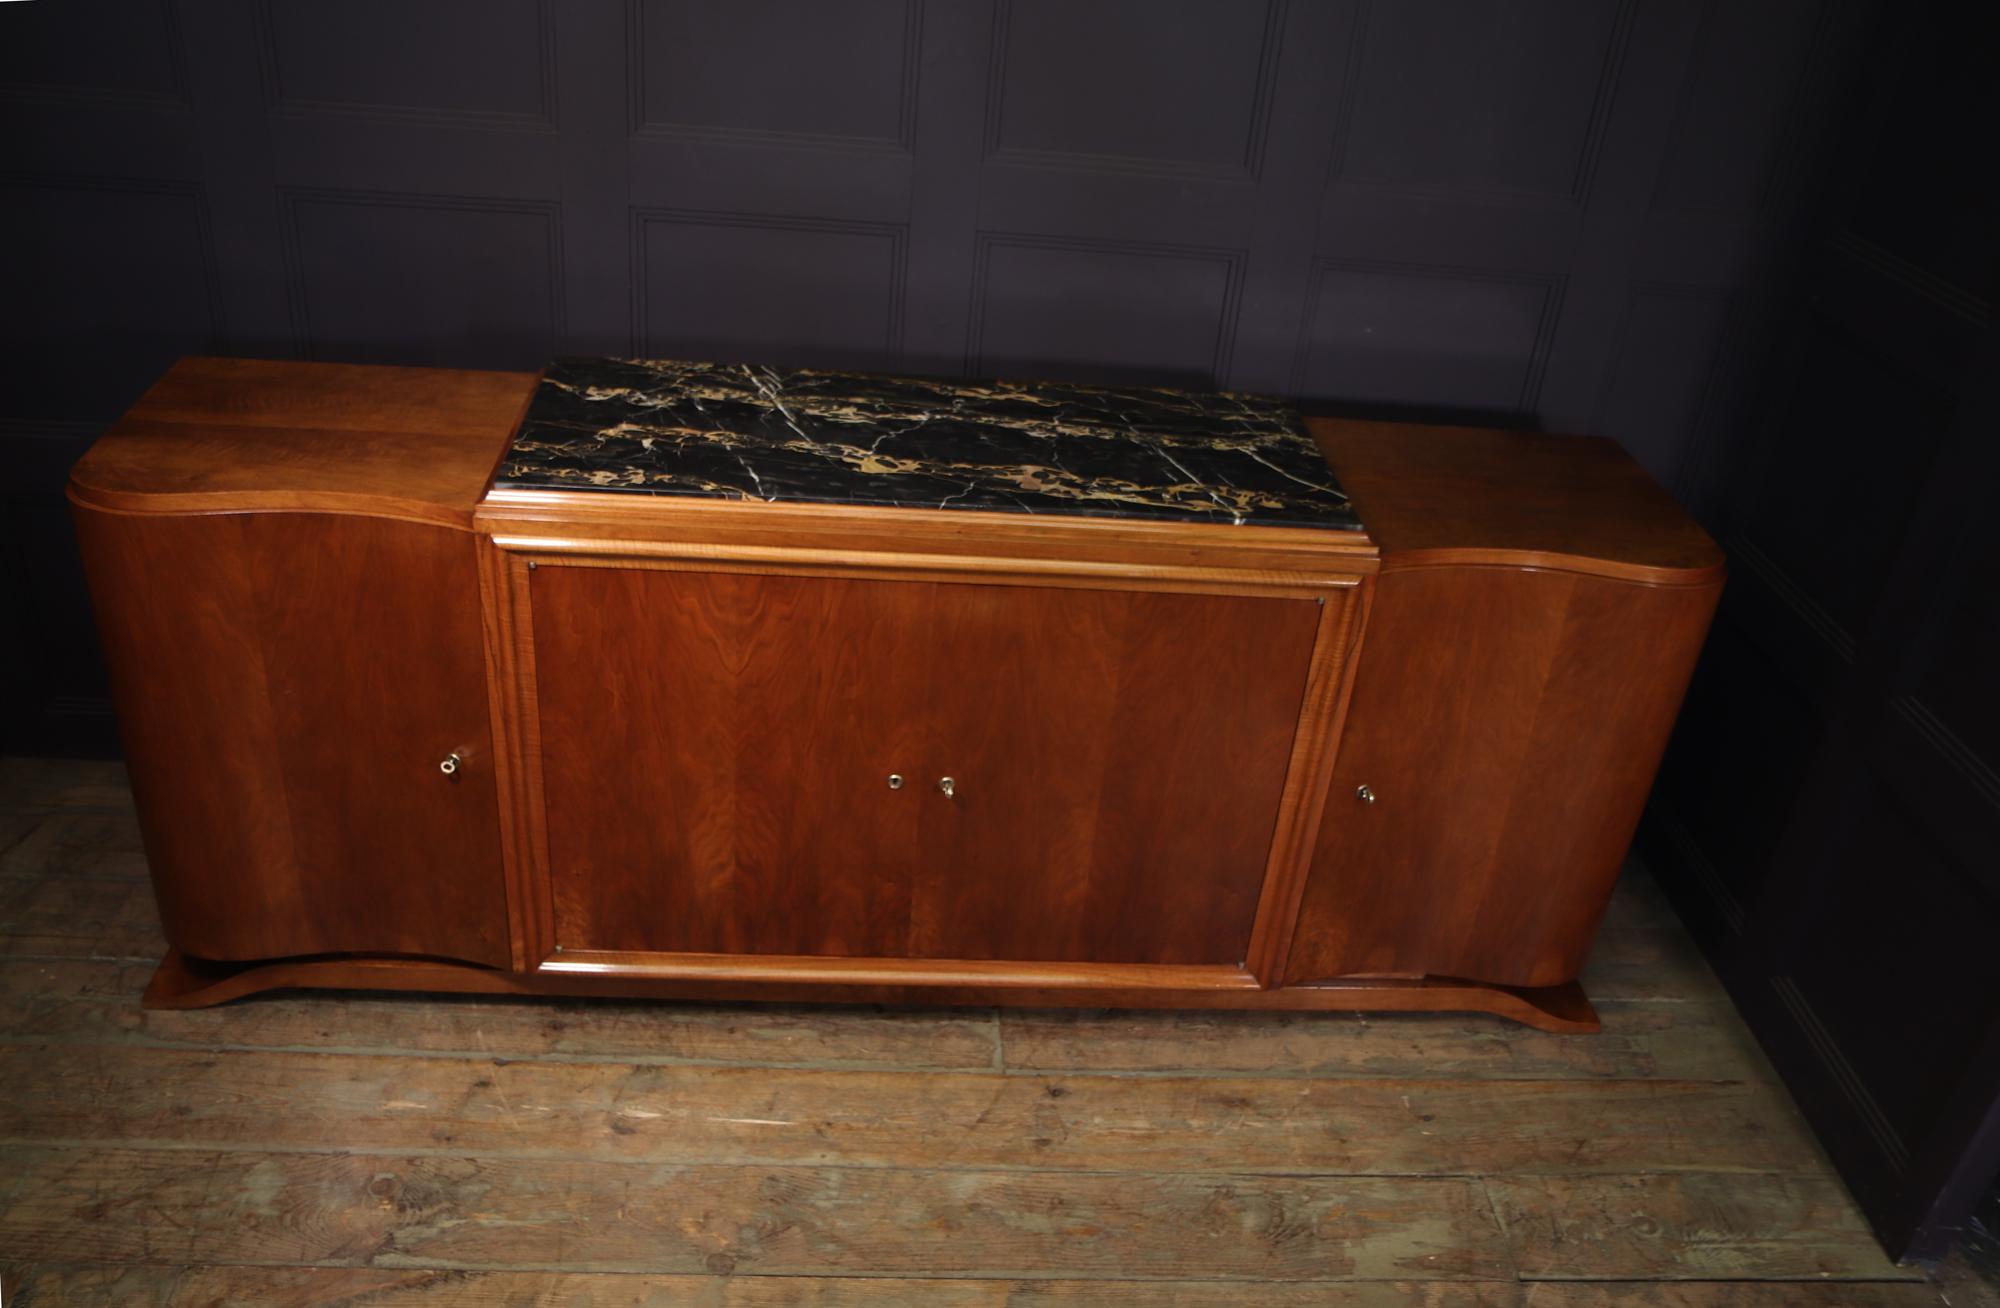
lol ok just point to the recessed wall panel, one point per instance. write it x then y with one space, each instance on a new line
843 72
1724 147
770 289
109 49
1101 311
1660 377
106 283
1109 84
436 280
1493 96
1428 338
477 58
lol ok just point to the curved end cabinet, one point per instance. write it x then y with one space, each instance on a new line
1537 617
286 583
391 724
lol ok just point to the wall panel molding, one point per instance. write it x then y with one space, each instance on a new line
277 100
897 235
1667 824
1249 168
175 62
1800 134
1971 311
1230 261
1787 139
1951 751
1552 286
192 192
1699 393
1814 648
641 124
1342 174
1809 1024
292 200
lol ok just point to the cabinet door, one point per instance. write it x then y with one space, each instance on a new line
1506 724
717 752
287 685
1116 761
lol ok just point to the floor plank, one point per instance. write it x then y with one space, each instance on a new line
98 999
1654 964
1640 1040
1967 1276
73 842
78 917
1638 900
94 1000
1730 1294
63 783
791 1116
1689 1226
294 1287
16 823
181 1207
341 1287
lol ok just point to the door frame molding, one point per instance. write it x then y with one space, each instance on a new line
508 561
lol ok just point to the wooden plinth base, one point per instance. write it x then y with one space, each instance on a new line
183 982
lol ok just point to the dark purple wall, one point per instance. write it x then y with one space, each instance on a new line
1546 210
1828 816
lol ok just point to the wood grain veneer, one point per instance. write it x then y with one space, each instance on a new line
1508 723
676 719
1532 631
716 749
287 686
243 435
1468 495
183 982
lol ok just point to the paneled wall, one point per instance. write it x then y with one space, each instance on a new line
1828 815
1553 211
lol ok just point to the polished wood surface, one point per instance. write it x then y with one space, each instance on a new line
181 982
229 435
916 974
678 718
716 750
1508 723
1539 609
287 686
1437 495
1330 687
1120 760
920 540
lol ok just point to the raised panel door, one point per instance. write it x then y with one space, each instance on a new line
717 752
1117 760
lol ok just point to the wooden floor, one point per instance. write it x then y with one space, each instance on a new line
340 1150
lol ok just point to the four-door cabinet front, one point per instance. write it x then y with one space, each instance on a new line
691 681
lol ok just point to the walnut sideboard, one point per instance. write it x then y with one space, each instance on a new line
681 680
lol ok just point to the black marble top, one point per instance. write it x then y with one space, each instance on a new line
755 433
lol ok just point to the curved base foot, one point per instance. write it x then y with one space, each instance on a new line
183 982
